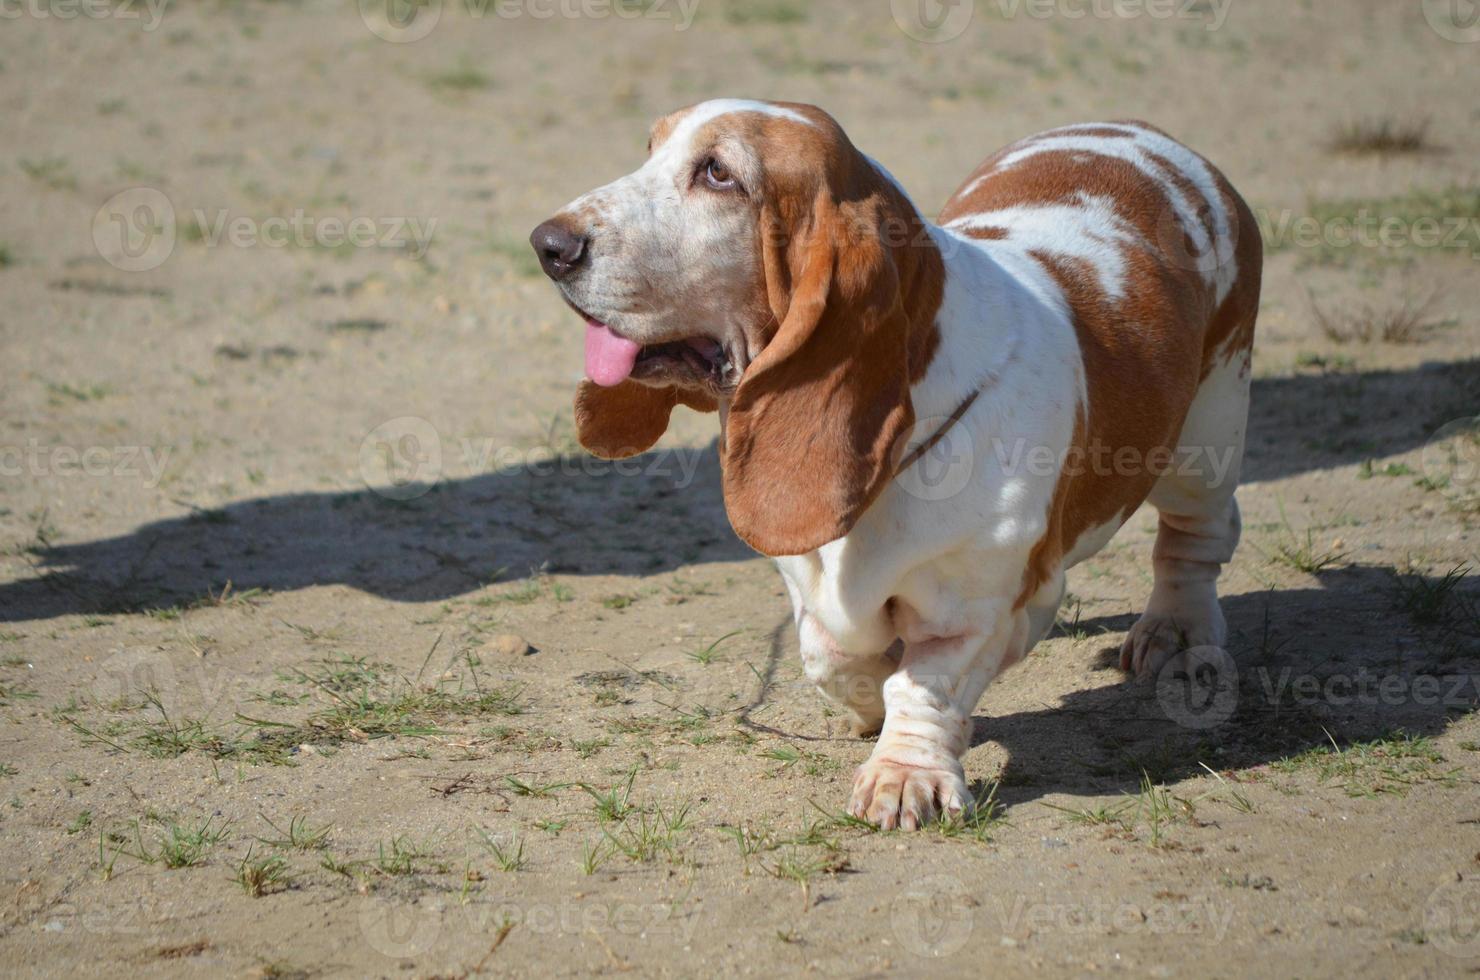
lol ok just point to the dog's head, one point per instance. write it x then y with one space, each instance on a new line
760 264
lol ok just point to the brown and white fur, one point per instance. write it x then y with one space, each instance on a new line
1098 285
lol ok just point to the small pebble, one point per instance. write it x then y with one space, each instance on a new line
509 645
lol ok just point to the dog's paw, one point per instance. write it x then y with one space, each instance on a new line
889 795
1156 640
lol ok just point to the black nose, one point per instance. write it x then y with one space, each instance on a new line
560 250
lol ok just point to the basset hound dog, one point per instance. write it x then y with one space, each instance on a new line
926 424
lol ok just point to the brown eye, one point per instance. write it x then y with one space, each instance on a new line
718 176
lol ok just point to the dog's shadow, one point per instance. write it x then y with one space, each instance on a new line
1371 655
573 514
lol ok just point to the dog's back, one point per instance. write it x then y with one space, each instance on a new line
1158 261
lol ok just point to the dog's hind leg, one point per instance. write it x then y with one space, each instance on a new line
1199 525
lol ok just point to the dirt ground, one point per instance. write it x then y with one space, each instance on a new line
323 651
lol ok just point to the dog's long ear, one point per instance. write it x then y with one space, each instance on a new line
810 438
624 420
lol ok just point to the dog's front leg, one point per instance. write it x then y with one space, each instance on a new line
915 773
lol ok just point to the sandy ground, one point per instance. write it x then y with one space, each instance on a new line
304 589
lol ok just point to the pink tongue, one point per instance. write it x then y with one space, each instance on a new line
609 358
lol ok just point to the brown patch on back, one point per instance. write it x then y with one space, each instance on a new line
1062 176
1143 355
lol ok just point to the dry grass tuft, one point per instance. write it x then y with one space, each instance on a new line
1409 321
1382 137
